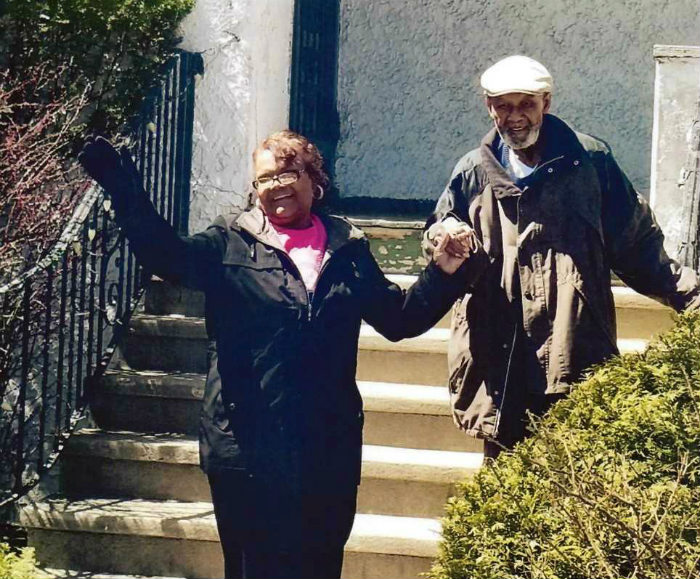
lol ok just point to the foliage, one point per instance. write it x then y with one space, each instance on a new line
111 48
37 185
68 67
608 485
17 564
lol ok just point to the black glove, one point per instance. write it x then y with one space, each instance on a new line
115 172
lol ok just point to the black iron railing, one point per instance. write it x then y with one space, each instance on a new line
60 321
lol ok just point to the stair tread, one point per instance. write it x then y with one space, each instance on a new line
625 297
49 573
434 341
195 521
406 398
377 396
439 466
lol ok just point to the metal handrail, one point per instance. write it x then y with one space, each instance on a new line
68 236
61 320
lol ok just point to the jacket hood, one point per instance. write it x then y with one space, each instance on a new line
338 229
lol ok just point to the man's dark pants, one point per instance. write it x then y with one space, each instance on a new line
266 534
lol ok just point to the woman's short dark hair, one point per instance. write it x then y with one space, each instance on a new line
288 145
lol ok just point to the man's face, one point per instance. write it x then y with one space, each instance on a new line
518 117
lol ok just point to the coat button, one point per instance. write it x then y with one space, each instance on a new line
550 170
505 346
232 407
577 162
496 392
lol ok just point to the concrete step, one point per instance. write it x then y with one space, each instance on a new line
413 416
47 573
407 415
173 343
395 481
637 315
180 539
179 343
164 298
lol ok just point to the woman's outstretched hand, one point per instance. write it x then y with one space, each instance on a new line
113 170
452 248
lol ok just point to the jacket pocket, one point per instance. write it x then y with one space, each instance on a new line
473 406
579 336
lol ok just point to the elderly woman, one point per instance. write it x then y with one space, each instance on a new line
286 290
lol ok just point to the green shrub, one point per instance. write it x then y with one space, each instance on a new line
67 67
17 564
607 486
111 48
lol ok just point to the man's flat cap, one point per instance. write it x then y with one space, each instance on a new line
516 74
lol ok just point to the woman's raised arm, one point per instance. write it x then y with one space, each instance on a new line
189 261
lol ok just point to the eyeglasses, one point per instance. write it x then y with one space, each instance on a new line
284 179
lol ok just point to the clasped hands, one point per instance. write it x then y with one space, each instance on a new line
453 243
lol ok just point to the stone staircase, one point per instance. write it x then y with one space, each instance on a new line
133 500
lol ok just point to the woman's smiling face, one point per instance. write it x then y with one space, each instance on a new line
288 205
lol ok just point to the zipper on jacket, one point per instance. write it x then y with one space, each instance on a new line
309 297
320 273
505 383
301 279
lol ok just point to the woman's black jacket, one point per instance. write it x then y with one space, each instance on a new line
281 401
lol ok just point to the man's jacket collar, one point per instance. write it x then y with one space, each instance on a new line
559 143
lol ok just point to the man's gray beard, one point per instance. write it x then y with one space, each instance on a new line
531 139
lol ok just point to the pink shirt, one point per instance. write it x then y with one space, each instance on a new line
306 248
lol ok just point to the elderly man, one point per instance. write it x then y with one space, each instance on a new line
552 213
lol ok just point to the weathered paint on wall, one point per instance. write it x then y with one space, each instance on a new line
242 96
408 93
676 101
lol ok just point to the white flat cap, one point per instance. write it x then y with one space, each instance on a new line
516 74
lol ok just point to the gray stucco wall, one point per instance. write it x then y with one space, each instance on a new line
408 93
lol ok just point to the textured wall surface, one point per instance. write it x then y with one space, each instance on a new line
242 96
676 102
408 92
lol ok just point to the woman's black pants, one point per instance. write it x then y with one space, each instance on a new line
267 534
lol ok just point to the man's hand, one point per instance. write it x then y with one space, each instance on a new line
455 228
452 249
113 170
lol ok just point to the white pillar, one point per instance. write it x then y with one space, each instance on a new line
242 96
676 94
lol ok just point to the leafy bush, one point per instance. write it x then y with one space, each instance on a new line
608 486
17 564
37 187
111 48
67 67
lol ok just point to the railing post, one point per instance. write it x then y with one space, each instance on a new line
24 379
46 363
183 148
